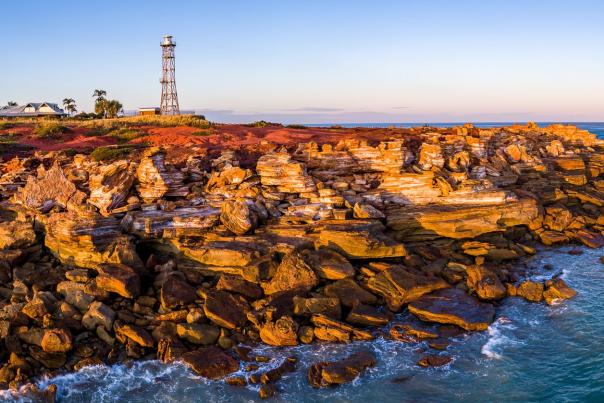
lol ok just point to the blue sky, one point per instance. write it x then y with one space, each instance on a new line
316 61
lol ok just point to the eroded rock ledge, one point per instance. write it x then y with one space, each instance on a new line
193 259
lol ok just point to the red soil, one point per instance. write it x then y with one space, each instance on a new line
217 137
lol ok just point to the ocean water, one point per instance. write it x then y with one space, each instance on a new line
531 353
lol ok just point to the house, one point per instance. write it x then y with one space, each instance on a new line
32 109
148 111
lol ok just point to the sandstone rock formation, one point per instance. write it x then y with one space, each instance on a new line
193 254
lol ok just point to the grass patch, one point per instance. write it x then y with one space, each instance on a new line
197 121
202 133
110 153
9 144
296 127
97 131
125 134
50 130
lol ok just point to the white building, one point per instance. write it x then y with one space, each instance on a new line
32 109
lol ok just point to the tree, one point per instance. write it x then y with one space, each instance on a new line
70 105
113 108
11 103
99 94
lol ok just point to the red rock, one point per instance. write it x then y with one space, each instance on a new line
429 360
453 306
590 238
349 293
118 278
56 341
556 290
282 332
323 374
486 283
292 274
225 309
176 292
210 362
531 291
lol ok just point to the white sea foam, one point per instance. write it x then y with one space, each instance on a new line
497 338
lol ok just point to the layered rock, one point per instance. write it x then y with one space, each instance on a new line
453 306
158 179
110 186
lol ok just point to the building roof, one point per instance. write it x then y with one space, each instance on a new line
22 110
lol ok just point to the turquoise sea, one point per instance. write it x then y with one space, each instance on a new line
531 353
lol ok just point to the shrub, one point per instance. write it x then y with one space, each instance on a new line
6 125
52 130
262 123
125 134
202 133
110 153
97 131
296 127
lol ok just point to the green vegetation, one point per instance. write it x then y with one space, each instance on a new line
8 143
106 107
70 105
202 133
6 125
296 127
262 123
110 153
124 134
51 130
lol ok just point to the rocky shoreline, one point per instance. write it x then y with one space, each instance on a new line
195 260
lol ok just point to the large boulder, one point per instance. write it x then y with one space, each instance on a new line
282 332
359 240
98 314
324 374
110 186
453 306
118 278
239 216
158 179
557 290
400 285
225 309
459 221
210 362
136 334
486 283
293 273
51 188
176 292
287 176
328 264
240 286
56 341
87 240
16 235
198 333
531 291
349 293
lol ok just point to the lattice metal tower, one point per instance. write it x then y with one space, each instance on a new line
169 98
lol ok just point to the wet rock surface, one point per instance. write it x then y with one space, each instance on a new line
192 258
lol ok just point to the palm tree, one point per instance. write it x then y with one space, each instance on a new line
113 108
99 94
70 105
